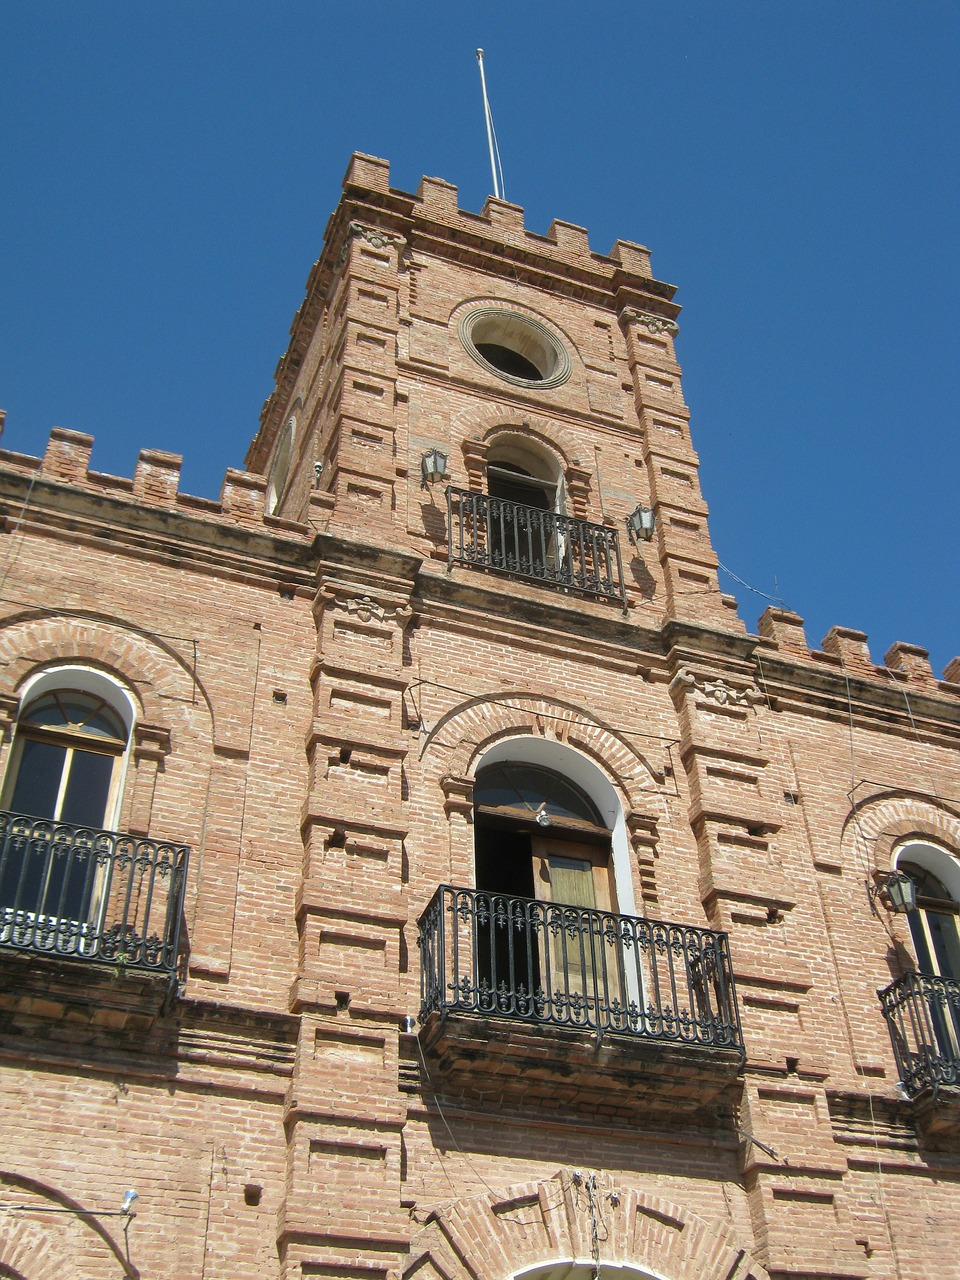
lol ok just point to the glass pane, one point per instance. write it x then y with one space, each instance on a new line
946 943
88 789
38 778
527 786
72 710
925 959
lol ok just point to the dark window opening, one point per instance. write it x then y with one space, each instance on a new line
530 833
509 362
508 481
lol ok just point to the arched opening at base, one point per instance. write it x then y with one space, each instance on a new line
568 1270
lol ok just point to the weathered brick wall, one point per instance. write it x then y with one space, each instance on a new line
317 690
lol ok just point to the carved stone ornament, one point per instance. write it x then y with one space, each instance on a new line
369 610
651 322
718 691
379 240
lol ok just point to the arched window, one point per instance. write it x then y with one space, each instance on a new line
935 930
518 471
935 923
66 769
280 467
539 836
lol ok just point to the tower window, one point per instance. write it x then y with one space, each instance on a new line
509 362
516 348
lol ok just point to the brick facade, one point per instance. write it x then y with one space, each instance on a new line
323 680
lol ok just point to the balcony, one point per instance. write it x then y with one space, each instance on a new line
81 895
537 1001
923 1018
540 546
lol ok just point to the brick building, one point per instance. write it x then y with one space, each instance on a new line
412 866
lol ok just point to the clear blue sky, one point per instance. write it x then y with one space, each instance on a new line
167 171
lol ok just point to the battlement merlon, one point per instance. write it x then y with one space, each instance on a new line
496 239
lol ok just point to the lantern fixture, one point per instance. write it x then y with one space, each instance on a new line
640 524
901 892
433 467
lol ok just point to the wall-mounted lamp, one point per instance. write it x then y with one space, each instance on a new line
433 467
640 525
900 891
542 818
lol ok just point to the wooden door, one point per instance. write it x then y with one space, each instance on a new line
580 958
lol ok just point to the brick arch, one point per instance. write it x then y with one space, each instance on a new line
31 1250
474 727
883 822
150 667
494 1237
484 427
28 1251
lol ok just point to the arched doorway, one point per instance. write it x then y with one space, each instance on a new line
526 491
935 931
567 1270
544 876
548 929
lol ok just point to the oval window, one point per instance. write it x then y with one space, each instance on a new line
516 348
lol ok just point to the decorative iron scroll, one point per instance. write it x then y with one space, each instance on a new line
543 962
923 1017
527 542
81 893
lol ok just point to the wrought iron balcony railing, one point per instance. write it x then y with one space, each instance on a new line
542 962
79 893
526 542
923 1017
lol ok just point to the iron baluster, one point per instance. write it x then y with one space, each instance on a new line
565 966
529 542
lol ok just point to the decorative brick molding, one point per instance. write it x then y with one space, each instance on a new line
151 672
887 821
151 745
478 724
540 1224
458 797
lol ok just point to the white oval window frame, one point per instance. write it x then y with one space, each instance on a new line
520 333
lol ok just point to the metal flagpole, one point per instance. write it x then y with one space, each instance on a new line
489 121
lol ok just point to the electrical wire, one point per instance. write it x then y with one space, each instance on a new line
446 1124
916 734
16 529
778 600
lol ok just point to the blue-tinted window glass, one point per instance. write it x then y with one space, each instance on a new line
38 778
88 789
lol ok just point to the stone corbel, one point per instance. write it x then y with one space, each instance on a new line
458 797
9 706
475 461
648 320
718 690
644 840
578 491
151 744
373 235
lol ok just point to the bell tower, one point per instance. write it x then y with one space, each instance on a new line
428 330
485 430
